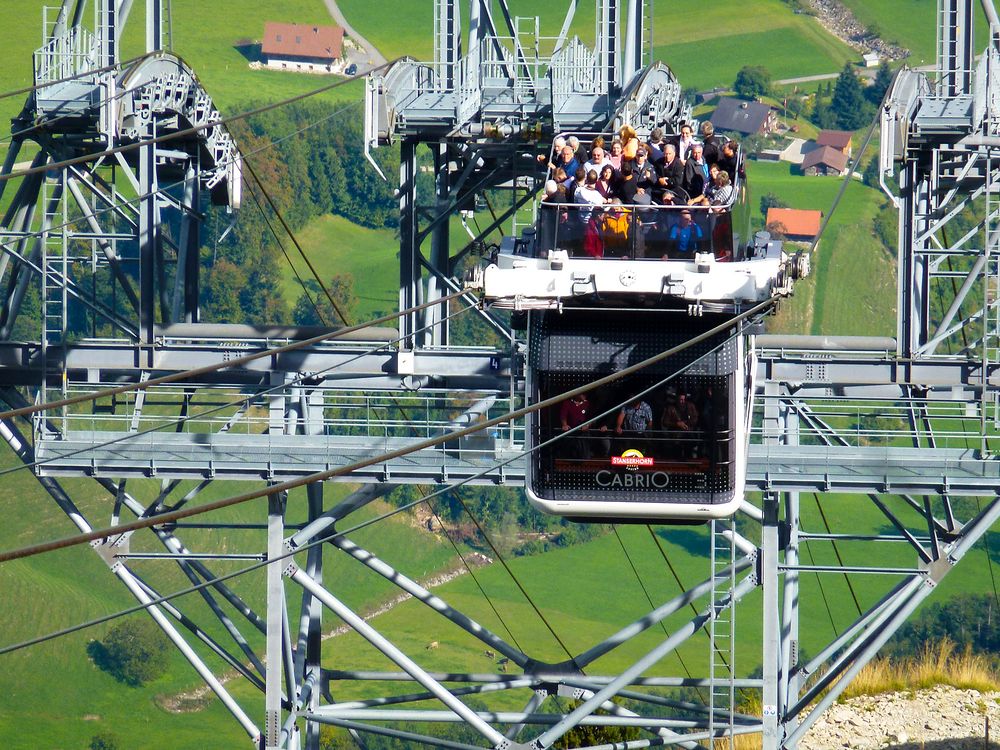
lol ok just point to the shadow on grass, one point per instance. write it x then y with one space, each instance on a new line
694 542
250 50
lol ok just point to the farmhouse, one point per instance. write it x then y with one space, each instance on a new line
796 224
824 160
748 118
838 139
293 46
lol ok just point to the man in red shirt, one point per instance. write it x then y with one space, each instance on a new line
572 413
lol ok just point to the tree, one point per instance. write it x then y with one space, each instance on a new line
313 307
133 652
848 105
770 200
752 82
880 85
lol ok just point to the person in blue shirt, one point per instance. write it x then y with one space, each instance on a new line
684 236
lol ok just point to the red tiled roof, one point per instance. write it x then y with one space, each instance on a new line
302 40
839 139
797 222
826 156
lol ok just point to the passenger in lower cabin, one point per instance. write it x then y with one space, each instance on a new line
615 226
684 236
573 412
680 420
634 422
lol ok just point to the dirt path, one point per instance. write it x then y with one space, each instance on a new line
370 57
196 699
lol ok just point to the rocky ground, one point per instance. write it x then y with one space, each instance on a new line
841 22
941 718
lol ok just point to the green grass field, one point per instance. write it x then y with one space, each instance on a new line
335 245
714 41
912 24
852 271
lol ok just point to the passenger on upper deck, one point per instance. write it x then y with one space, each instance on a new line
655 146
705 199
723 192
639 183
630 144
711 142
597 160
557 147
616 155
730 161
567 160
671 175
685 141
578 150
607 182
696 172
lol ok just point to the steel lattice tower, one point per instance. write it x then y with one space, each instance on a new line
908 423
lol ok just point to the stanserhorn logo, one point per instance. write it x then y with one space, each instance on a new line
632 459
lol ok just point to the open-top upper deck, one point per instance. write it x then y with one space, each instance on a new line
664 221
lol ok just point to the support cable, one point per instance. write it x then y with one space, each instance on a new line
244 402
836 551
479 585
514 578
649 598
94 156
75 76
177 515
207 369
334 533
846 181
291 235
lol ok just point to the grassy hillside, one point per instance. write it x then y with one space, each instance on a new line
706 45
62 589
852 271
912 24
200 37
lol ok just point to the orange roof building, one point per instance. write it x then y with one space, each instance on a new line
294 46
838 139
797 224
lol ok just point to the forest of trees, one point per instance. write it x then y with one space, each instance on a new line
313 165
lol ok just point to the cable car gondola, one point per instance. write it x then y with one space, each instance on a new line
605 286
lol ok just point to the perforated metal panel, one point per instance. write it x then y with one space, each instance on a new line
602 342
571 348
